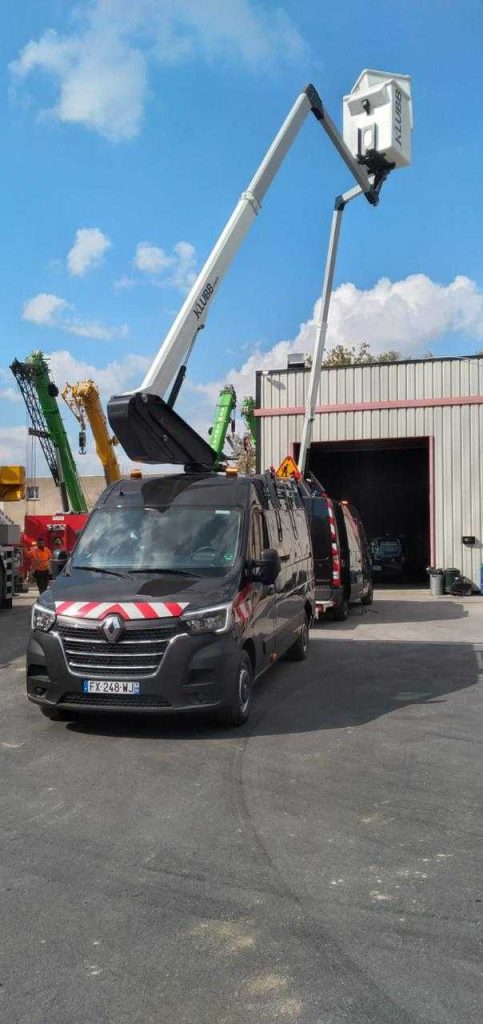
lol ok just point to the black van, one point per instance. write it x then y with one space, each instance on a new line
342 558
180 592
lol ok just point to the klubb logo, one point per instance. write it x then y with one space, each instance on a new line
203 300
398 117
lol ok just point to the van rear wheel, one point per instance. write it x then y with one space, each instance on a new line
369 597
299 650
341 611
238 712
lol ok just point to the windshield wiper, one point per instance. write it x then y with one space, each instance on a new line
108 572
169 572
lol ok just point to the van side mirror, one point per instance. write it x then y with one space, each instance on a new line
267 568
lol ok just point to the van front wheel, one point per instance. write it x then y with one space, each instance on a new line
237 713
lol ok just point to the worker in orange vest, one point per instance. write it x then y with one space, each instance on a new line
40 565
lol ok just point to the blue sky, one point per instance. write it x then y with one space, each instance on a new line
140 124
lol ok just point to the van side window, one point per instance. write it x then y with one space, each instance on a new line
258 534
353 541
291 511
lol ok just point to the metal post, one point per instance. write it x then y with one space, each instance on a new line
322 323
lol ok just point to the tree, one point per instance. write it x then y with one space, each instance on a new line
244 453
344 355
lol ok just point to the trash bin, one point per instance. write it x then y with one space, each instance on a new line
436 582
59 558
449 578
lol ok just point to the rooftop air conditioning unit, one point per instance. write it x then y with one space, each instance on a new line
296 359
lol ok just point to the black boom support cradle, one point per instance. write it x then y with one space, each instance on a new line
150 431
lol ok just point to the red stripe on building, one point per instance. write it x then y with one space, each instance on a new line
397 403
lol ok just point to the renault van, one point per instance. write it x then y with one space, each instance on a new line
342 558
181 591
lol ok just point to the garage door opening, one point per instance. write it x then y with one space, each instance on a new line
389 483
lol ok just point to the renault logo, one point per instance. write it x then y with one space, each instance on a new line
112 627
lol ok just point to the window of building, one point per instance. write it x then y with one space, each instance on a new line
32 492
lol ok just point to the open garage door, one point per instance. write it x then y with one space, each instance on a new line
389 483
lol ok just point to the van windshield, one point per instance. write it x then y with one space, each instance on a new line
177 537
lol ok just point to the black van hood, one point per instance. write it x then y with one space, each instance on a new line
198 592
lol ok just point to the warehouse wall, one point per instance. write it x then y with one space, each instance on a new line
437 398
48 500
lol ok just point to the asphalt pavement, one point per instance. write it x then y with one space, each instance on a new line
318 866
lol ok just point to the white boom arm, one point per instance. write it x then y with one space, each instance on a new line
322 323
192 315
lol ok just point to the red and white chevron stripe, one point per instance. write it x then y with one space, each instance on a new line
125 609
336 577
242 605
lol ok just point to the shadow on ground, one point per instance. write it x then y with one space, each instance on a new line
14 627
339 685
400 612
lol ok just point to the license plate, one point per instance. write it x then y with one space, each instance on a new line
107 686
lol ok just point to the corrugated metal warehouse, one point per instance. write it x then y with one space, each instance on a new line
403 441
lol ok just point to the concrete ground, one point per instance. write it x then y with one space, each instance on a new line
318 866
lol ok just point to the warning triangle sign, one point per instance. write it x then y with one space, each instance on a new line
288 469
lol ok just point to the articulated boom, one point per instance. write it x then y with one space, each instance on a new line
147 427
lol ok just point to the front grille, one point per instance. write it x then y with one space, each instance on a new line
136 655
114 700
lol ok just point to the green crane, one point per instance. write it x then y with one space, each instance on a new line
248 413
223 417
35 371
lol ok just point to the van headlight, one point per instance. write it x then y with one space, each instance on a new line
209 620
43 616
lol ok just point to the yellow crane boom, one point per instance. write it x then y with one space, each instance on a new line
12 483
83 400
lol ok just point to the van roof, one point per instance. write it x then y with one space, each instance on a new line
185 488
192 489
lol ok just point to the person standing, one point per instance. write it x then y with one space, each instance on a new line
41 561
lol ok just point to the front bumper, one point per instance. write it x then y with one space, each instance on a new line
194 672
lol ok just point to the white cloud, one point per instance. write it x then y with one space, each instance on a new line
114 378
181 264
101 78
95 330
123 283
407 315
10 395
150 258
87 251
47 310
43 309
184 266
13 445
101 70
